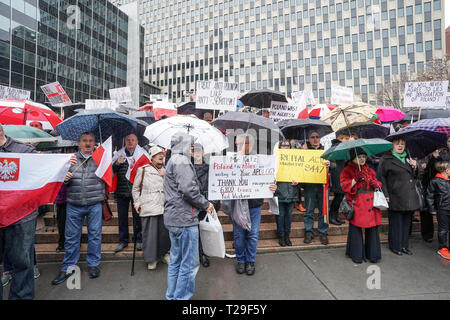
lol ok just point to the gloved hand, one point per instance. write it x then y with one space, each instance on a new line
359 176
374 184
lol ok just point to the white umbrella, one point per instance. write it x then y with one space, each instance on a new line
161 132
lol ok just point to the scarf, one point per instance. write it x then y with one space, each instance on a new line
400 156
439 175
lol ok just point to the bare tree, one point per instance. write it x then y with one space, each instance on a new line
391 93
436 70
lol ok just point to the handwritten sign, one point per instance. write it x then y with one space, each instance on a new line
14 93
56 94
216 95
431 94
121 94
341 95
100 104
282 111
241 177
303 98
301 165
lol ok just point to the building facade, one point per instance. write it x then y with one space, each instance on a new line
80 43
290 45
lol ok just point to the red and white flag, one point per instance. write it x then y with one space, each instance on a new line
27 181
140 158
102 156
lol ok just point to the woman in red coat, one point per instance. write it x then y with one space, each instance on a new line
359 184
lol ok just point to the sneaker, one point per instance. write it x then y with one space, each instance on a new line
300 208
444 253
6 277
240 267
37 274
152 265
139 246
250 268
166 258
120 247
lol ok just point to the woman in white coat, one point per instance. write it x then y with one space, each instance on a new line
148 199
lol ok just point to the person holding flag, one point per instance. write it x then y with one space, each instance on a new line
125 164
85 181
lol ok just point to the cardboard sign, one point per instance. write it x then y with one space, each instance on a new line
56 94
430 95
14 93
241 177
341 95
121 94
304 166
216 95
100 104
282 111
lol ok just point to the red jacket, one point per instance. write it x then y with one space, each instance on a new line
366 216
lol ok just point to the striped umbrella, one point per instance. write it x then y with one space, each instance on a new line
437 124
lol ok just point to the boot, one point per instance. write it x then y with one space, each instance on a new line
334 220
281 240
287 240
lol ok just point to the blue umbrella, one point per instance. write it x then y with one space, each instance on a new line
420 142
103 123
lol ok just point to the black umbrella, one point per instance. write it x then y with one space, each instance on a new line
146 116
262 98
367 131
189 108
426 114
419 142
298 128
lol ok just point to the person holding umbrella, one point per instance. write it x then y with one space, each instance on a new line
397 175
359 182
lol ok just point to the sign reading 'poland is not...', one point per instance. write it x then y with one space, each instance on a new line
241 177
216 95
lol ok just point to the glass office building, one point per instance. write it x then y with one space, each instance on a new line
290 45
42 41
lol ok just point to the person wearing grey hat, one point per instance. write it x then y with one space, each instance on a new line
148 196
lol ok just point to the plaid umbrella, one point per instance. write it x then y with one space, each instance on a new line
438 124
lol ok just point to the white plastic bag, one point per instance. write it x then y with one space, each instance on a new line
211 234
273 205
379 200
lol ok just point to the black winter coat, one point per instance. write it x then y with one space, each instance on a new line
438 195
398 181
202 172
124 186
336 168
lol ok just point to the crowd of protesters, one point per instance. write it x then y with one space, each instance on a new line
168 201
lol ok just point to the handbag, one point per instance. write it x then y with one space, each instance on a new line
421 198
106 209
346 209
211 233
379 201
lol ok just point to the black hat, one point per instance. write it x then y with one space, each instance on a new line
356 151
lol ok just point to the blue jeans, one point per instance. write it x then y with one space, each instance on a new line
184 262
246 242
122 211
314 199
284 218
19 241
74 224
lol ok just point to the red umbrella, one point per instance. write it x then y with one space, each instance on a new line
316 111
146 107
25 111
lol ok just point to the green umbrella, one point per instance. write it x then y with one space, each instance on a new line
370 146
27 134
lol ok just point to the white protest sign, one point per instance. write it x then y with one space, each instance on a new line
159 97
56 94
326 141
216 95
283 110
341 95
241 177
121 94
303 98
431 94
14 93
100 104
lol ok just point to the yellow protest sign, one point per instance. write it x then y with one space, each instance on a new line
301 165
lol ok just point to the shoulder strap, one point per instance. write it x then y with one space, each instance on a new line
142 181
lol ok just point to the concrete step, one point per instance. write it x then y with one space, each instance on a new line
47 252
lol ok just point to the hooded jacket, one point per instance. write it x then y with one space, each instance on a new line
183 199
438 194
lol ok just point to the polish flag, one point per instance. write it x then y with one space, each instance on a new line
27 181
140 158
102 156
